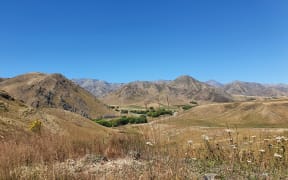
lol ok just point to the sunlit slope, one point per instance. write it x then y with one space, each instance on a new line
240 114
16 117
182 90
54 91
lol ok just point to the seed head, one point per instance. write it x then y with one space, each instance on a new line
262 151
276 155
149 143
190 142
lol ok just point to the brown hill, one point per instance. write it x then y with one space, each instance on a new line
16 118
54 91
3 79
271 113
182 90
256 89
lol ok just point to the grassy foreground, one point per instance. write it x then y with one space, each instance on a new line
147 152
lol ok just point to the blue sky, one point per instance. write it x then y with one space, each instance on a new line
121 41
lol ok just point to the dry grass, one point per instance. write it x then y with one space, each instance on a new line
244 114
145 152
230 153
169 149
44 149
37 156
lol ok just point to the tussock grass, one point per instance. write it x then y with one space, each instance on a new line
245 153
146 152
42 149
241 114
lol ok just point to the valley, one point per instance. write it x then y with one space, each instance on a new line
143 130
144 90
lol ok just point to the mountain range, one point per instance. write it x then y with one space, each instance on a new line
61 103
256 89
183 89
55 91
98 88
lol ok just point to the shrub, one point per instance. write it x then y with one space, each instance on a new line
104 123
141 119
186 107
139 111
153 114
194 102
122 121
36 126
159 112
124 111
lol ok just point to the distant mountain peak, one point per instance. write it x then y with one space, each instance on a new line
98 88
214 83
184 78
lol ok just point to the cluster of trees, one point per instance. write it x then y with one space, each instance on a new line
139 111
159 112
123 111
151 112
122 121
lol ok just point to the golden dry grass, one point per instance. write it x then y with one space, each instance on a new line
72 147
237 114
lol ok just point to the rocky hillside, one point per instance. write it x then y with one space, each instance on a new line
256 89
97 87
54 91
16 118
182 90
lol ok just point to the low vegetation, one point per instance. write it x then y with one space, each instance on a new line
147 154
186 107
36 126
151 112
122 121
159 112
139 111
41 156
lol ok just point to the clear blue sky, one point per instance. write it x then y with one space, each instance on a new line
121 41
